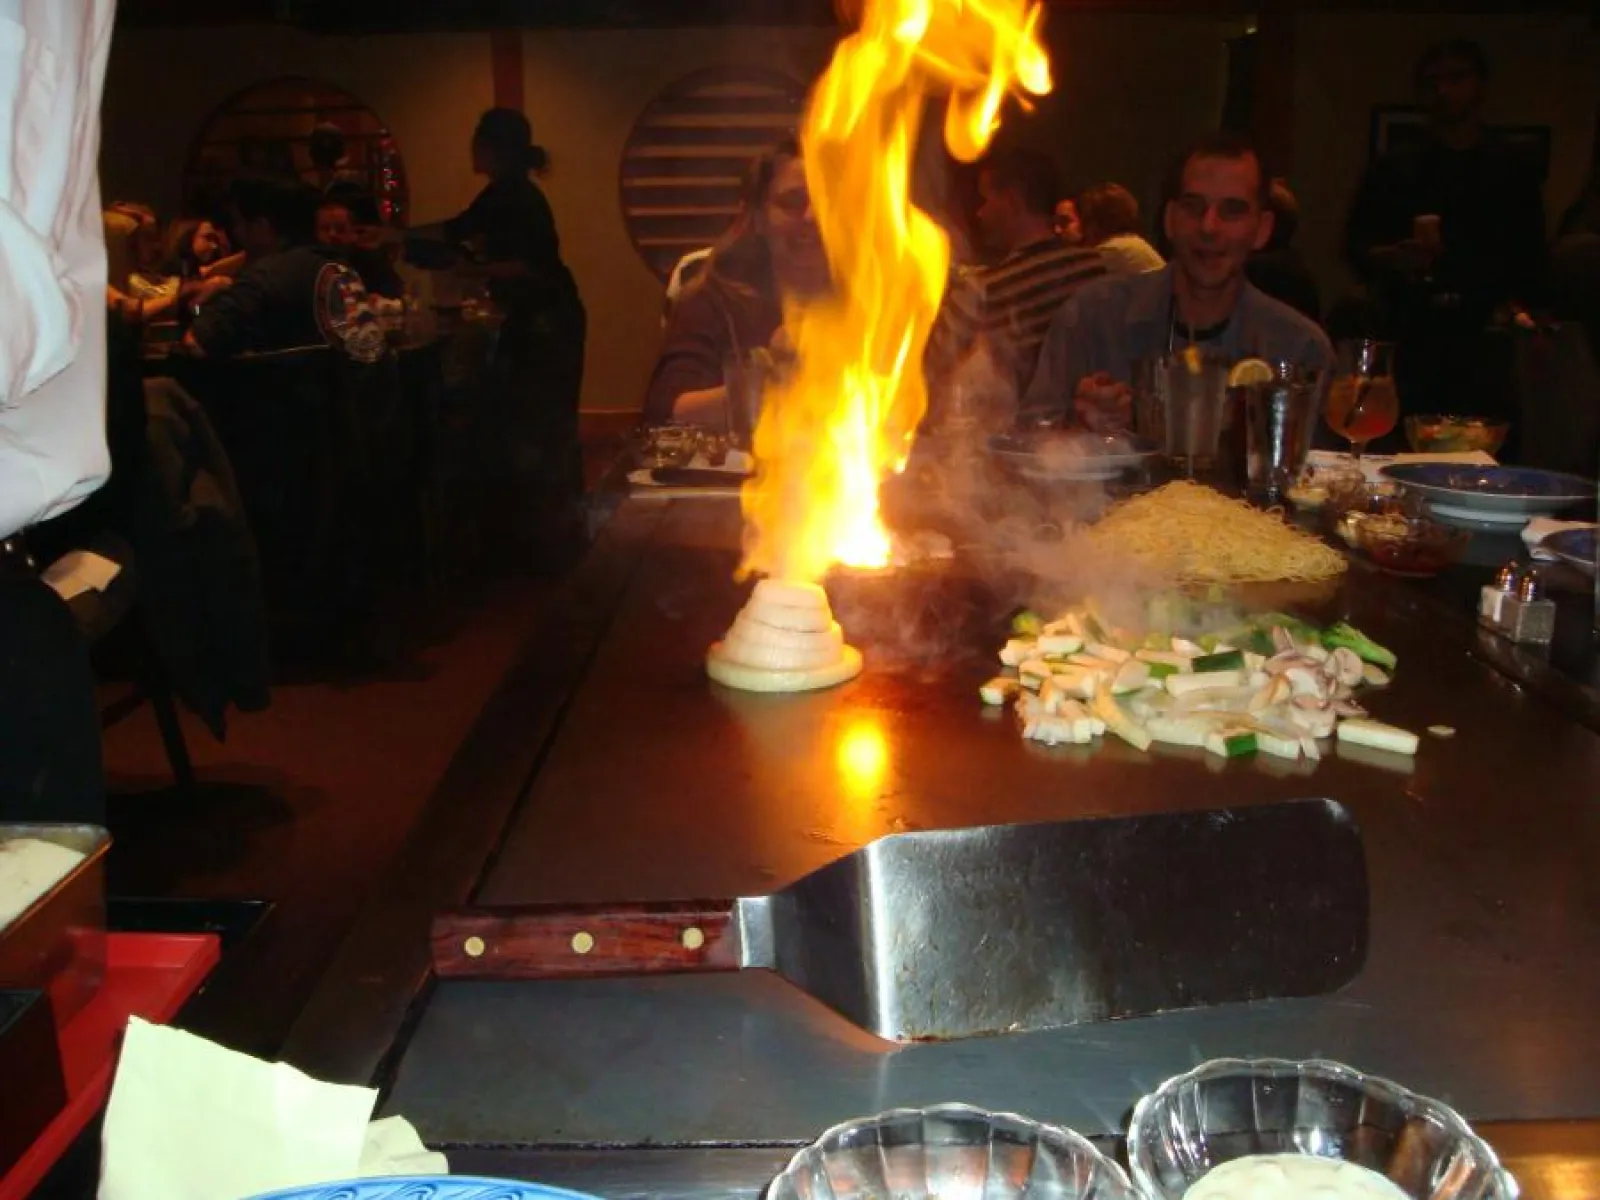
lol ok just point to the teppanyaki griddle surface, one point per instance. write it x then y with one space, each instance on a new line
1480 984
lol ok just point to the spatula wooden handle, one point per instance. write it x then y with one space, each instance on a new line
550 942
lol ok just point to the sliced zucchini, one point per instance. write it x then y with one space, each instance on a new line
1226 660
1185 685
1059 644
1033 673
1109 653
1361 732
1179 662
1231 743
1180 731
1119 722
1132 676
999 689
1016 652
1027 623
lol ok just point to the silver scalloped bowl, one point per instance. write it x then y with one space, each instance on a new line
950 1152
1230 1107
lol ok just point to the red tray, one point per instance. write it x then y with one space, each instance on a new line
148 975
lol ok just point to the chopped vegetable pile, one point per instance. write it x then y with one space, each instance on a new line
1273 684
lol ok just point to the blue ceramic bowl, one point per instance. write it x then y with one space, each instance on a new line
1492 496
1573 546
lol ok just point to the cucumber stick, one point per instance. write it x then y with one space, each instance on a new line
1119 722
1361 732
999 689
1231 743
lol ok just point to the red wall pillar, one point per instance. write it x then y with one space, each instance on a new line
505 64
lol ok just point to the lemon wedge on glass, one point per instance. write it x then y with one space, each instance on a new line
1248 371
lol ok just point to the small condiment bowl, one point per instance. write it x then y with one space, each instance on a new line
950 1152
1411 546
1445 433
1230 1107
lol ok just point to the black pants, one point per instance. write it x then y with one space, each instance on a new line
50 766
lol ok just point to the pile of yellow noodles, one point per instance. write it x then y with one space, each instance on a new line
1196 535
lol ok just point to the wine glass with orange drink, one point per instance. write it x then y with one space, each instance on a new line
1362 401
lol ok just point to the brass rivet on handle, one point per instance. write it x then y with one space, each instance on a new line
582 942
473 947
693 938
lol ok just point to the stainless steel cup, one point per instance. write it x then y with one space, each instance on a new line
1280 420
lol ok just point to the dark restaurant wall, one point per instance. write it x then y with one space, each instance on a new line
1131 88
161 84
1546 73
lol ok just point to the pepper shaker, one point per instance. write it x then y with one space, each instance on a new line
1529 616
1492 596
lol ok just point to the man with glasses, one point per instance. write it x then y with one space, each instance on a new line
1202 299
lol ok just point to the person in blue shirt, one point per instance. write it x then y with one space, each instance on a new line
1217 218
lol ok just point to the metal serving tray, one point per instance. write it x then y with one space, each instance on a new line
58 945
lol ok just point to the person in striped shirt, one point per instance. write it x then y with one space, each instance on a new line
1005 308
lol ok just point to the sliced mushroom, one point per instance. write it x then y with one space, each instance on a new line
1281 640
1306 682
1283 660
1315 652
1316 719
1348 708
1348 666
1275 691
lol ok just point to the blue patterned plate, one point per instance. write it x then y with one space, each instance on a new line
425 1187
1463 494
1573 546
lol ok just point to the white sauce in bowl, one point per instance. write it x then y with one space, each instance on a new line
1292 1177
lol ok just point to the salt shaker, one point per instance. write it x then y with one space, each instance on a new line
1492 596
1529 616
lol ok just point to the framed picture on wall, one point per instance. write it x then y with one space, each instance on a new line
1396 126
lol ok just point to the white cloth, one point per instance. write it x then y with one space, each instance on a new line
1536 530
1371 464
1130 254
392 1147
191 1120
675 284
52 257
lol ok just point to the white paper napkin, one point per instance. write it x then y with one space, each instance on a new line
1371 463
392 1147
1536 530
191 1120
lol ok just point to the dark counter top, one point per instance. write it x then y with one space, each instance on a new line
1480 985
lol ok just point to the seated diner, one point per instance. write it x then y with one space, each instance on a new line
735 305
294 292
1218 217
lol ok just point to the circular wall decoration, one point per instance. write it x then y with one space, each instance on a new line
268 129
686 158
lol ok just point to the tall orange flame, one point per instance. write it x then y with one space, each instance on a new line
829 435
